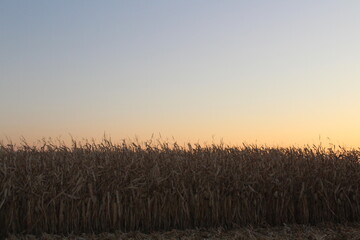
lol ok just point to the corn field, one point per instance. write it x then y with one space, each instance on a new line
106 187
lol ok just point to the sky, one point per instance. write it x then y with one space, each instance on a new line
202 71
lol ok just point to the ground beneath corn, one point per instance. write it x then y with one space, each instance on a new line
323 232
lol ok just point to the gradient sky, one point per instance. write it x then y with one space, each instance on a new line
266 72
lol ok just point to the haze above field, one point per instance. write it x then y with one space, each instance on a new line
271 72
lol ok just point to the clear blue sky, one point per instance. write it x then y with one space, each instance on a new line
273 72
